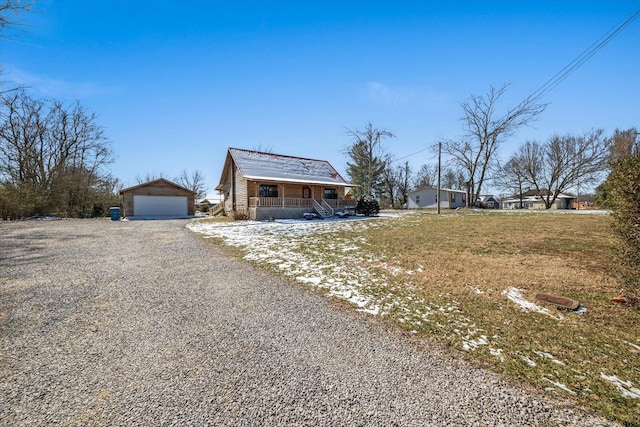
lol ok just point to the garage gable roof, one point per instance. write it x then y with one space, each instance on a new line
257 165
156 181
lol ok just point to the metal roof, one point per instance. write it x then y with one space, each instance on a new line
259 166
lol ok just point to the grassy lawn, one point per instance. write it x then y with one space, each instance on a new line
465 279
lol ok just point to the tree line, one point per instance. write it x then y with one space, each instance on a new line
54 156
53 159
561 164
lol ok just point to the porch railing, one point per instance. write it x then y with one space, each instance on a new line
327 207
216 209
339 203
295 202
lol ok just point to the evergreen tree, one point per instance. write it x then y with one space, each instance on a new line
368 160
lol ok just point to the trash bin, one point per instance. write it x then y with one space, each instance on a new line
114 213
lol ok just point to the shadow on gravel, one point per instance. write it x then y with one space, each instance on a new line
14 253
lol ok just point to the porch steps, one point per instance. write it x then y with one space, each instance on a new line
216 209
321 210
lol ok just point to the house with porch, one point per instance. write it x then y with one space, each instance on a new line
259 186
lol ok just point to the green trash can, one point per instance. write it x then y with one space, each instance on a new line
114 213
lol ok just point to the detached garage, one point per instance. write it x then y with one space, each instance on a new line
160 198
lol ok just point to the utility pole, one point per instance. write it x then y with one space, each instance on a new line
438 190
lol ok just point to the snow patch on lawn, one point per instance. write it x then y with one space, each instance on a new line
328 255
497 352
293 248
625 388
469 344
561 386
515 295
549 356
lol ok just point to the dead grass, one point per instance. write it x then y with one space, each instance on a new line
467 261
446 277
216 219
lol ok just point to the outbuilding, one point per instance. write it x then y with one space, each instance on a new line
159 198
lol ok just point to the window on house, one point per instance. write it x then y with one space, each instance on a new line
436 198
330 193
417 199
453 197
268 191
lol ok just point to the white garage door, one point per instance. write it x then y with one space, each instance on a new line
159 206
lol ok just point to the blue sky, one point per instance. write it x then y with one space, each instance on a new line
175 83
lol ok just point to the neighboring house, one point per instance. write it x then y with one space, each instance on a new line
260 186
534 202
489 202
159 198
209 201
425 197
583 205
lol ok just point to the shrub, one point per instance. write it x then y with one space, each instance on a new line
623 192
98 210
367 206
240 216
204 207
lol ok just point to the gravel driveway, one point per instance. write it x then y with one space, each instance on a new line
144 323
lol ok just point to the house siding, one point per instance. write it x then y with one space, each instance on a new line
244 171
228 197
241 194
293 190
425 198
261 214
537 204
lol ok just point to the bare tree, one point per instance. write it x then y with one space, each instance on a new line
149 176
512 176
484 130
396 184
369 160
625 144
10 19
453 179
51 155
10 13
194 182
266 149
427 176
404 178
389 187
562 163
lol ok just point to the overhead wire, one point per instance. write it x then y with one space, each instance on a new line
565 72
583 57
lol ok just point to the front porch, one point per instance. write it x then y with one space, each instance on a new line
262 208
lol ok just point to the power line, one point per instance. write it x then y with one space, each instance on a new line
584 56
411 155
565 72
